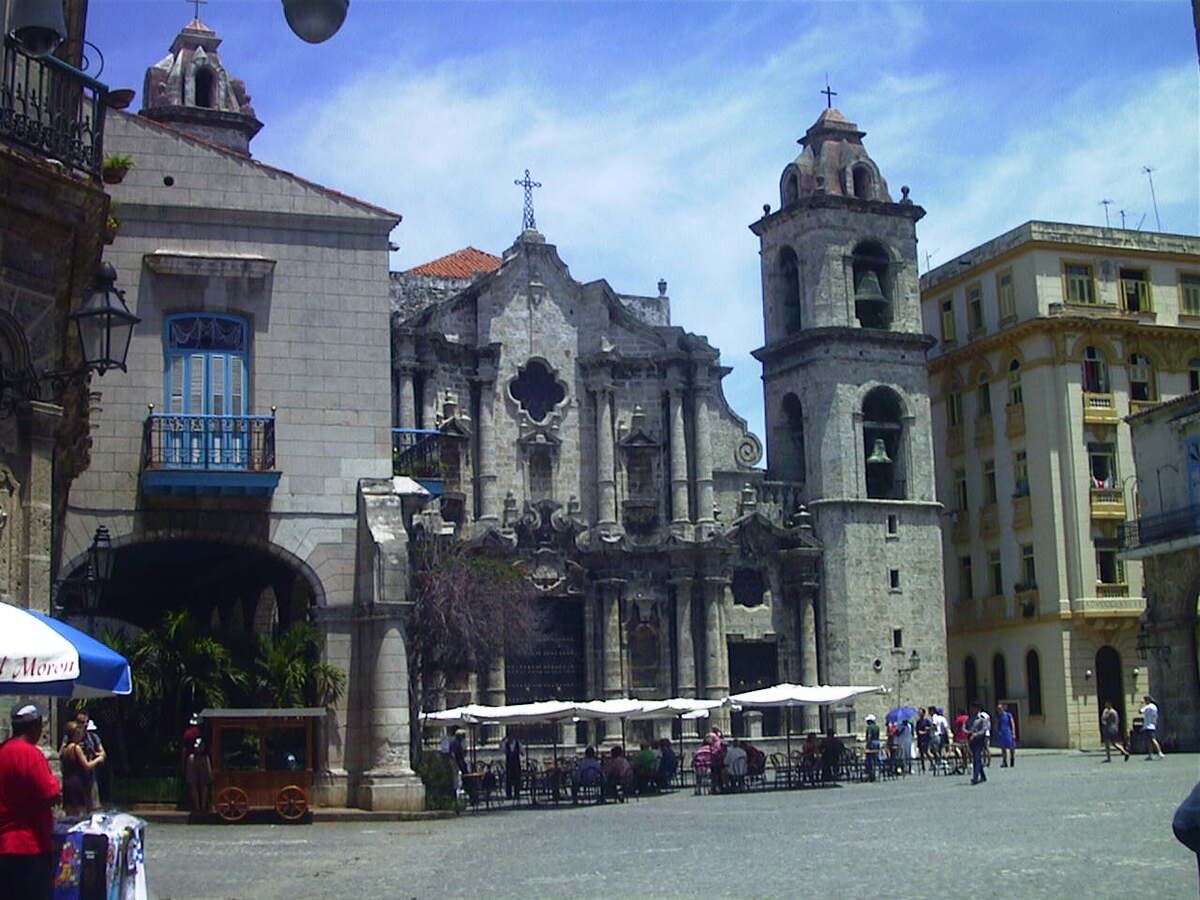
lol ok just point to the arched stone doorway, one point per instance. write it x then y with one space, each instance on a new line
192 614
1110 685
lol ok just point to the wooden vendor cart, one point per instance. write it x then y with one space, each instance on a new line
261 759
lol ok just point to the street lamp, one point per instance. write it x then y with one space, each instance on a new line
315 20
914 663
38 26
105 327
97 572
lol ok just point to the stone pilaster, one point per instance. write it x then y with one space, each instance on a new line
808 656
406 406
680 511
606 483
485 460
610 636
39 420
685 660
704 464
716 652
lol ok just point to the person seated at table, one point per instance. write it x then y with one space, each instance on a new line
812 748
587 773
668 764
645 766
618 774
832 749
735 764
756 760
716 764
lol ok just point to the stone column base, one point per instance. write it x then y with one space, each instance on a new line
394 792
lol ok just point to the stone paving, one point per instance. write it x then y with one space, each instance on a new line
1055 826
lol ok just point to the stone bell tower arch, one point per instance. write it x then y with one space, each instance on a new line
848 412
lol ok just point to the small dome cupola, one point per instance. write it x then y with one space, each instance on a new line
834 162
190 89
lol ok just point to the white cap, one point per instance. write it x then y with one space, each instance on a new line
91 726
870 718
28 713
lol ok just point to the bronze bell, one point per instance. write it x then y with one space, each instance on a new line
878 453
868 289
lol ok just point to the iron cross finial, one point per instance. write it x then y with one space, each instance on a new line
829 95
196 4
527 221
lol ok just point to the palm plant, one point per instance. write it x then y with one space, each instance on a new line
287 673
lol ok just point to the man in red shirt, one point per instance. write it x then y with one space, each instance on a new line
28 792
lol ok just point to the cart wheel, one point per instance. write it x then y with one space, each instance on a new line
232 804
291 803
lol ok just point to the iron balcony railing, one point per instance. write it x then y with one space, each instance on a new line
206 442
417 453
1163 527
51 109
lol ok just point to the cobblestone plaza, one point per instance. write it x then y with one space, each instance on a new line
1059 824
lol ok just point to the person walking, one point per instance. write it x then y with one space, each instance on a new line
28 792
939 739
1110 731
1006 736
1150 727
979 731
512 765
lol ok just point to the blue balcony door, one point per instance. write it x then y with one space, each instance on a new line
206 394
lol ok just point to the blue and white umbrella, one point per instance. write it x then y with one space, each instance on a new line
41 655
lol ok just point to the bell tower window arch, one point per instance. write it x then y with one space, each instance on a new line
862 182
883 444
787 276
871 270
205 85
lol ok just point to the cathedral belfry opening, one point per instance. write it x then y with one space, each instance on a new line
204 88
789 290
882 431
872 303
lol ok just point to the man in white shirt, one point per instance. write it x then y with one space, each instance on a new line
939 736
1150 727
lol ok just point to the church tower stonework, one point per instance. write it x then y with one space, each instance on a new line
191 90
848 411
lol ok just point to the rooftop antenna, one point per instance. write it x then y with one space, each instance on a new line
1106 204
1150 177
1122 219
1140 221
928 259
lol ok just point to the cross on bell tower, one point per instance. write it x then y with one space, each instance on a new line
829 95
196 4
527 221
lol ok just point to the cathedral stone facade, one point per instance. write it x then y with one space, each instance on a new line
580 428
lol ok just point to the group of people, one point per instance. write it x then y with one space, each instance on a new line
727 762
1113 735
930 740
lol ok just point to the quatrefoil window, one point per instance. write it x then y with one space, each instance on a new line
536 390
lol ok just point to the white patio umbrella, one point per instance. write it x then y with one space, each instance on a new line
788 695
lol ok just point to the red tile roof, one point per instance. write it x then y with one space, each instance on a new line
463 263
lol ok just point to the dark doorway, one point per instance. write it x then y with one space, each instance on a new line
1109 684
971 679
753 665
553 672
1000 677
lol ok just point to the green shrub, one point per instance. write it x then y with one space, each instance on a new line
437 776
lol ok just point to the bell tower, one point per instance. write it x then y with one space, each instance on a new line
847 409
191 89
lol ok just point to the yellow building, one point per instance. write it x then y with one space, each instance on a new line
1049 335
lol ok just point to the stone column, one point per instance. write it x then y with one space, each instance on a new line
610 636
606 484
716 653
495 696
485 459
406 404
429 401
808 656
39 421
389 782
704 463
680 512
685 661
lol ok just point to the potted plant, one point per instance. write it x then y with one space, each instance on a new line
115 167
111 226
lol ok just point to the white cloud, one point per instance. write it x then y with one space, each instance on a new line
658 175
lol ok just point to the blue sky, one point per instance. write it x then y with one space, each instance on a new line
660 129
